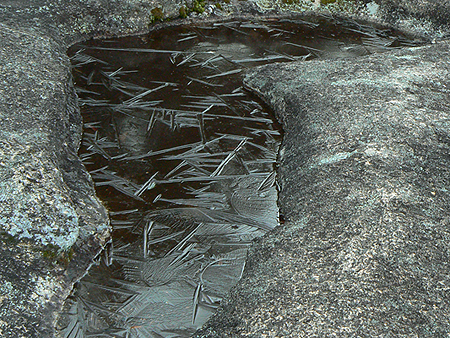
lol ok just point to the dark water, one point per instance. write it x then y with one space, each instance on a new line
184 159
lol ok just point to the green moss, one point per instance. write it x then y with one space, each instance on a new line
157 15
55 255
66 256
183 12
198 6
49 254
326 2
218 6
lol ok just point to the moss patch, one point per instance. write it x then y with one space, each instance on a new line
183 12
157 15
50 252
55 255
198 6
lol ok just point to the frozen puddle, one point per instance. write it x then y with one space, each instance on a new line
184 159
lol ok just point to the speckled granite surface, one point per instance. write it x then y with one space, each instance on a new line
364 176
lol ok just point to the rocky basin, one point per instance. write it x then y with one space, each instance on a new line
363 171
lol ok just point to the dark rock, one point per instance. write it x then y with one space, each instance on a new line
364 187
52 225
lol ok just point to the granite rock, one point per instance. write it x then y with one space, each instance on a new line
364 174
418 11
48 203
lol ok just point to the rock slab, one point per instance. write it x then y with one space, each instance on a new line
365 180
51 223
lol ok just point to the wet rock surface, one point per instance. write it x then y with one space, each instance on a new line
53 225
364 184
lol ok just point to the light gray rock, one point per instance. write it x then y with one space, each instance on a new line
364 173
420 12
48 203
51 223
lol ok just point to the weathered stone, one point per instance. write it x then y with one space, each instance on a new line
435 12
47 198
365 181
51 223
